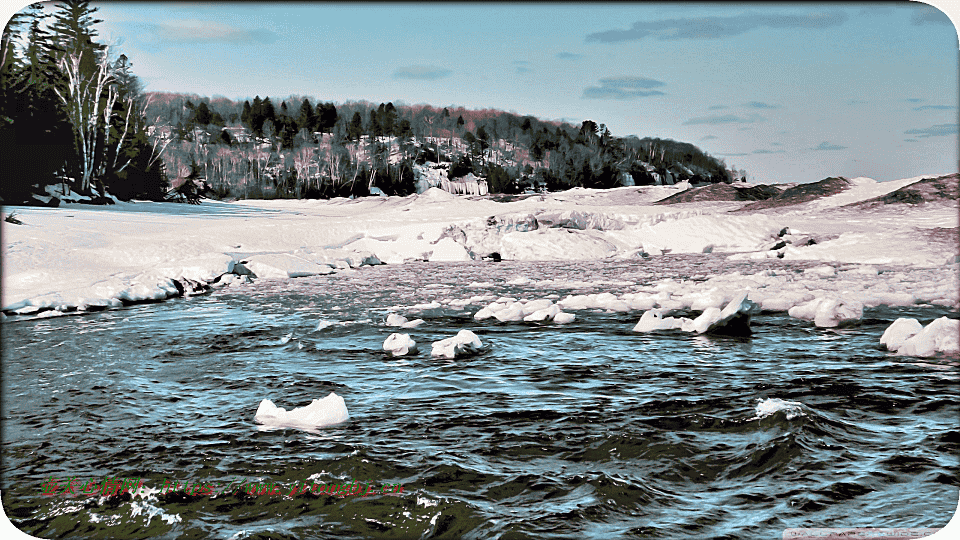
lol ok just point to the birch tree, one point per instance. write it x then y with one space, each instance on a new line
84 107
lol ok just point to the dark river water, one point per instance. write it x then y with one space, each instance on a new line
586 430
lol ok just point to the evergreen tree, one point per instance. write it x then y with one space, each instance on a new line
306 119
245 115
355 129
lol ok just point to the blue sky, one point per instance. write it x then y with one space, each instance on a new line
791 93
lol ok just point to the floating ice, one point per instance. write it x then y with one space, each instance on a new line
832 312
791 409
465 342
939 336
652 320
324 324
399 344
321 412
396 320
901 330
284 265
564 318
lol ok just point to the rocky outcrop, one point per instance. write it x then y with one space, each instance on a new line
942 188
800 194
723 192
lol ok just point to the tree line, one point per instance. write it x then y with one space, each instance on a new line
71 110
309 148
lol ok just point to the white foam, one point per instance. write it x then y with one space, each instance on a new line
791 409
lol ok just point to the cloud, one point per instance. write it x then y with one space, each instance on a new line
717 27
914 100
933 131
828 146
855 102
709 137
422 73
567 55
716 107
937 107
765 151
776 144
929 15
733 155
194 31
724 119
623 88
910 140
522 69
759 105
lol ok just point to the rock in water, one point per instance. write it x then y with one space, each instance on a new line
465 342
320 412
399 344
901 330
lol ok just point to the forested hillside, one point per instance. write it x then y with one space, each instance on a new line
299 147
75 120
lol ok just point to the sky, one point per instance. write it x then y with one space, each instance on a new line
788 92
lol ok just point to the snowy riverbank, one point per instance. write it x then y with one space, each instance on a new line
88 257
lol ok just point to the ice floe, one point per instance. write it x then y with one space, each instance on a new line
320 412
464 343
901 330
941 335
399 344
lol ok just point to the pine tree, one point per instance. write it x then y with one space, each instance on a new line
306 119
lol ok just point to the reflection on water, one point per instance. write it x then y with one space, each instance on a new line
586 429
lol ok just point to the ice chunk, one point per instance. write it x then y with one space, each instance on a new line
412 324
806 311
564 318
321 412
399 344
543 314
652 320
284 265
396 320
832 312
733 319
465 342
939 336
901 330
448 250
791 409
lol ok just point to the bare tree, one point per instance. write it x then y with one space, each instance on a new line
82 98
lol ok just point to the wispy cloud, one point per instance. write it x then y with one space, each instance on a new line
939 130
828 146
195 31
724 119
759 105
623 88
716 107
856 102
910 140
734 155
914 100
929 15
717 27
423 73
708 137
935 107
522 66
765 151
567 55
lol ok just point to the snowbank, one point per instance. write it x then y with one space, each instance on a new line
320 412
